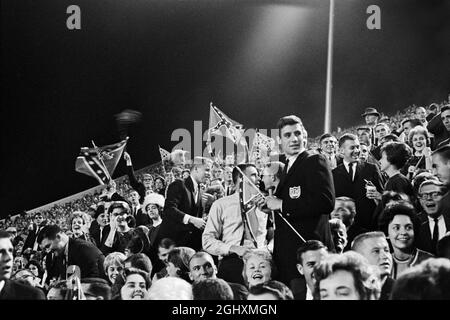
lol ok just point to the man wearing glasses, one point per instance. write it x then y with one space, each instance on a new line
434 224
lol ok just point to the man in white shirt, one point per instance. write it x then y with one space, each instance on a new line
228 236
434 224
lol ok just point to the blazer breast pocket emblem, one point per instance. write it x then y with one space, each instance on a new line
295 192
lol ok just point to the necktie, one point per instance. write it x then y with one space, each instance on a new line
435 233
288 164
350 170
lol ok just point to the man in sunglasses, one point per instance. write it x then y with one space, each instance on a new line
434 223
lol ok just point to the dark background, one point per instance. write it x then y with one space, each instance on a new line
256 60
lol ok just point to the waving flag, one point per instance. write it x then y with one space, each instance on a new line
165 155
100 162
248 192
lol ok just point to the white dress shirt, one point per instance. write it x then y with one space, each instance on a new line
291 161
441 226
347 164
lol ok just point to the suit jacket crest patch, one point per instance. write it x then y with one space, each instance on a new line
295 192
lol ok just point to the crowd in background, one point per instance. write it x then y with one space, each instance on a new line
136 240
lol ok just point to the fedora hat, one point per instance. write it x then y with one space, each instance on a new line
370 111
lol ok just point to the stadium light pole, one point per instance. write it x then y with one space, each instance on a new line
329 84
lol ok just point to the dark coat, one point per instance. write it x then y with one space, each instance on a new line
94 232
32 237
357 191
424 239
15 290
87 256
307 192
179 202
436 127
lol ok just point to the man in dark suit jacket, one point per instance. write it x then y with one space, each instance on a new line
183 213
33 232
305 196
99 228
70 251
10 289
349 180
434 224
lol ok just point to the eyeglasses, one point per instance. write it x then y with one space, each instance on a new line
434 195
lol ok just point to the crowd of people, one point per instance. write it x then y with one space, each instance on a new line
362 214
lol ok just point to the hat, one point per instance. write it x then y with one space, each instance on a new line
154 198
11 229
371 111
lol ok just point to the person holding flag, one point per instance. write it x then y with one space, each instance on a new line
305 196
236 224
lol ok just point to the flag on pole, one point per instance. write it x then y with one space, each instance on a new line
100 162
248 192
221 124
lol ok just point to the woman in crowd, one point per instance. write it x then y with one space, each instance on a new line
154 206
401 225
346 276
419 140
160 185
387 198
258 268
114 265
136 286
178 262
80 223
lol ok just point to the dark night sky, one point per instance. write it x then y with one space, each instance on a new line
257 60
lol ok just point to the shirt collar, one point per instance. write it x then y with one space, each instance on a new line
432 219
292 159
195 184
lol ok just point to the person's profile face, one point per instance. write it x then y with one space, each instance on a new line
6 258
257 270
202 268
56 245
292 139
441 168
384 163
340 285
163 253
252 174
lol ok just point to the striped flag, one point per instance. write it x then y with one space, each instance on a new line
100 162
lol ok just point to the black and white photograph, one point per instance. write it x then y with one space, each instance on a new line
193 150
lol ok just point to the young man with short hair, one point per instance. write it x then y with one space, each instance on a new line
375 248
309 255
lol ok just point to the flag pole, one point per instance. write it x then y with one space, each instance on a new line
329 84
